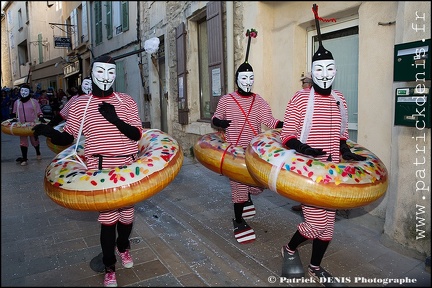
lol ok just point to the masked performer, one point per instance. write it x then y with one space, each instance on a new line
315 124
241 114
27 109
112 128
84 89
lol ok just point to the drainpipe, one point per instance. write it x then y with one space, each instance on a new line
230 44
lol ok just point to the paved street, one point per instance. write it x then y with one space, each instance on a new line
182 236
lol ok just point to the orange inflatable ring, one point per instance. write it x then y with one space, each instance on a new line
69 184
18 128
344 185
216 154
53 147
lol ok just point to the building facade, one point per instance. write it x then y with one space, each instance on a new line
201 44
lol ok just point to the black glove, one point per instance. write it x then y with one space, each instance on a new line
221 123
56 120
108 112
279 124
347 154
44 130
57 137
304 148
13 120
42 120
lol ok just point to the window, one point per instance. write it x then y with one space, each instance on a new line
83 27
98 22
210 63
20 20
40 48
27 12
117 15
342 41
125 15
203 70
109 20
74 22
23 53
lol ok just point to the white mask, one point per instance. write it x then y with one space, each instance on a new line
245 81
103 75
86 86
25 92
323 73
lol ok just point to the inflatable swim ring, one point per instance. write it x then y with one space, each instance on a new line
71 185
18 128
343 185
57 148
216 154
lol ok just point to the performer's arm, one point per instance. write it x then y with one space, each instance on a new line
300 147
57 137
108 111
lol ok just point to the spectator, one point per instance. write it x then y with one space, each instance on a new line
5 104
38 91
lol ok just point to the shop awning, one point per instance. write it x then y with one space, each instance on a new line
20 81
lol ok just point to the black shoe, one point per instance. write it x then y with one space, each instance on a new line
324 278
19 159
243 232
292 266
297 208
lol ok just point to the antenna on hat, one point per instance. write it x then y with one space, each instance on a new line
317 19
250 33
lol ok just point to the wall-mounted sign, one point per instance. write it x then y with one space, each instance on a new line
62 42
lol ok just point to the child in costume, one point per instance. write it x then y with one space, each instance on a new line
112 128
241 114
324 138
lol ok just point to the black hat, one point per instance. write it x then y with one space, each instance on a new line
104 59
322 54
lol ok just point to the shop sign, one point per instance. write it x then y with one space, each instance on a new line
62 42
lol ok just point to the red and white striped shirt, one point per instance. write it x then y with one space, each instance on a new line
102 137
246 113
64 112
325 131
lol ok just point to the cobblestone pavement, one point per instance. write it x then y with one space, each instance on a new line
182 236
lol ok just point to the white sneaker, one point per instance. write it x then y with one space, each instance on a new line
24 163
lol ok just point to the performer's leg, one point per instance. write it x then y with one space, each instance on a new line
108 243
124 231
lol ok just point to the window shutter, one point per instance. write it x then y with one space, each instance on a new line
181 74
84 36
109 19
125 15
74 23
40 50
120 77
215 53
98 22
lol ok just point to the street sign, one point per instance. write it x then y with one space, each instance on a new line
62 42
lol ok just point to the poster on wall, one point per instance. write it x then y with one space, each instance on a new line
181 95
216 82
